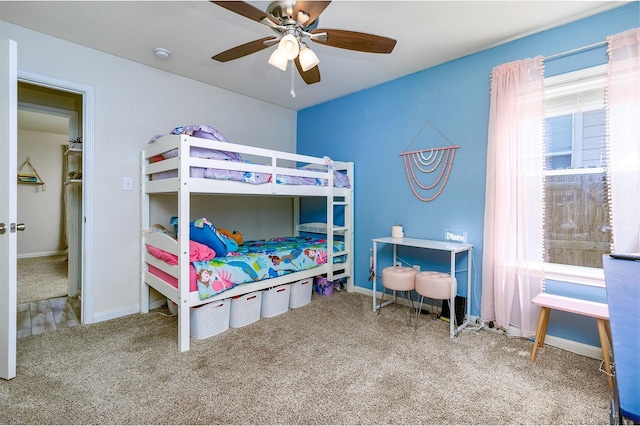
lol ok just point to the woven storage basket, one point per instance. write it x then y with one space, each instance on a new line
245 309
301 293
275 301
210 319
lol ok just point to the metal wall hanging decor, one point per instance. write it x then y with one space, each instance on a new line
430 161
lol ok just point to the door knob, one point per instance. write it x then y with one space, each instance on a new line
12 227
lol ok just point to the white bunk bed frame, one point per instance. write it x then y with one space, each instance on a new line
183 185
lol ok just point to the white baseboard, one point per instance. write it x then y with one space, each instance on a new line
155 304
99 317
41 254
576 347
558 342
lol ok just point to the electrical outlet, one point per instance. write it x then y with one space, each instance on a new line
398 263
416 267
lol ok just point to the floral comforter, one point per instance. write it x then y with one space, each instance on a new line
262 259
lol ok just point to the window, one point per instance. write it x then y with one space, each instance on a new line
577 213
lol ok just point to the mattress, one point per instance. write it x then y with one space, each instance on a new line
341 180
255 261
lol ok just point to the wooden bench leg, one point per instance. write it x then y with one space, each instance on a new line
604 342
541 331
608 328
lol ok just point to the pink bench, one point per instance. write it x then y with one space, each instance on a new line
599 311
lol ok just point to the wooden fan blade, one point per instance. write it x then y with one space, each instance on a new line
312 9
310 77
242 50
353 40
244 9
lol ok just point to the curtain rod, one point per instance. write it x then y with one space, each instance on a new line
579 49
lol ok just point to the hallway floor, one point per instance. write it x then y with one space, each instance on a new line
47 315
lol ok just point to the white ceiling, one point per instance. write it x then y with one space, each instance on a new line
428 33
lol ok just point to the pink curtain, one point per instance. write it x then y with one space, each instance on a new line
514 203
624 139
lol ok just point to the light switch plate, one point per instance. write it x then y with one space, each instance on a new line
127 183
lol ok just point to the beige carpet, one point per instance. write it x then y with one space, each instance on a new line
41 278
330 362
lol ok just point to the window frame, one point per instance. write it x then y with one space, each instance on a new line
557 87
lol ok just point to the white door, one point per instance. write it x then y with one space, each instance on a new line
8 202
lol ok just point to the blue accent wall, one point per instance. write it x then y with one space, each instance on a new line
372 127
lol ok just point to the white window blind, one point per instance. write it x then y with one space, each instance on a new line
578 91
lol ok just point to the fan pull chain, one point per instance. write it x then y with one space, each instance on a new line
293 91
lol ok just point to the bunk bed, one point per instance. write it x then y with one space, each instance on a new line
181 164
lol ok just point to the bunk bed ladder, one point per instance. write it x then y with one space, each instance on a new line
333 229
330 225
345 230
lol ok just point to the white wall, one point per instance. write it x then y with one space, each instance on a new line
133 102
40 210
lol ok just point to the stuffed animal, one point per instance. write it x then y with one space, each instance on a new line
157 228
233 235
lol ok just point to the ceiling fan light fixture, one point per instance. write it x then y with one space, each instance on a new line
278 60
302 17
307 58
289 47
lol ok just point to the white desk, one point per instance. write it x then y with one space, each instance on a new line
452 248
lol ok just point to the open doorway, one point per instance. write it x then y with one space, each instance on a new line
50 203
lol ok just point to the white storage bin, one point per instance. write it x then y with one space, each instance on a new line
245 309
275 301
210 319
301 293
173 308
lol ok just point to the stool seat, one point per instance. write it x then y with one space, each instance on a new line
399 278
434 285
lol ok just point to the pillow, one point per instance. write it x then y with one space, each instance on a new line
204 132
229 243
197 252
204 232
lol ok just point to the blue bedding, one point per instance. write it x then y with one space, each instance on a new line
262 259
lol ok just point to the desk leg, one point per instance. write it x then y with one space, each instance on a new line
541 331
604 342
375 276
452 301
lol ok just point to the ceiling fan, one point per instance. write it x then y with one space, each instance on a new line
294 22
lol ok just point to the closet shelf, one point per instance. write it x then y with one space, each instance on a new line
32 178
73 151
